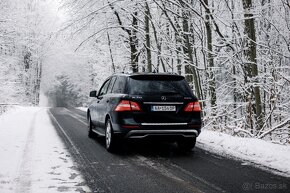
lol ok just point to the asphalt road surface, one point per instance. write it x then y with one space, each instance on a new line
156 168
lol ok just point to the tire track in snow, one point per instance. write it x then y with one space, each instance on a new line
23 181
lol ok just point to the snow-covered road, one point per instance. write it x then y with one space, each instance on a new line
32 156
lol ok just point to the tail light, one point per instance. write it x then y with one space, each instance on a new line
193 107
126 105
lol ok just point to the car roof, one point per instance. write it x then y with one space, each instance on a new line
147 74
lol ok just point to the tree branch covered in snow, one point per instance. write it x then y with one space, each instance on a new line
234 54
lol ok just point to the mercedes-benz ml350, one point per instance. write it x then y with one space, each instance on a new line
143 106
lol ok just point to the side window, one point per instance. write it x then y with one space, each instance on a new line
113 79
120 84
104 88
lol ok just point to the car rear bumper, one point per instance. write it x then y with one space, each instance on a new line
141 134
157 130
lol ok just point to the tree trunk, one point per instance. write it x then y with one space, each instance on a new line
212 82
158 44
251 56
38 81
111 53
190 70
147 36
132 33
134 43
178 43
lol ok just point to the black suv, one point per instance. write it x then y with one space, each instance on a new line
145 105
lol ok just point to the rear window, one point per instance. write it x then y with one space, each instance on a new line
159 86
119 85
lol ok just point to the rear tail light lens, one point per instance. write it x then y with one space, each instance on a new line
131 126
193 107
126 105
123 106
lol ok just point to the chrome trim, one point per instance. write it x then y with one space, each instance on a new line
160 124
184 133
164 103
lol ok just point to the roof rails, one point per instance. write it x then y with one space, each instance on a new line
144 73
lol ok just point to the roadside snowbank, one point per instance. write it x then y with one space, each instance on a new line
33 159
266 154
5 109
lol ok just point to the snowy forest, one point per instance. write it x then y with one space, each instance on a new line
234 54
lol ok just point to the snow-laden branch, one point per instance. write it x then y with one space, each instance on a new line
94 34
238 130
286 122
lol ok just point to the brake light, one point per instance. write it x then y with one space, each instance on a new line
193 107
123 106
126 105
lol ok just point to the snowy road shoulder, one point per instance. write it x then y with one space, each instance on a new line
33 158
266 155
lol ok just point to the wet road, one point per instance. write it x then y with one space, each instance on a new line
158 168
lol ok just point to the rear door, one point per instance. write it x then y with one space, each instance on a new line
100 102
161 98
104 104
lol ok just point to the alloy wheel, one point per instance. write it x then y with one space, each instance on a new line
108 135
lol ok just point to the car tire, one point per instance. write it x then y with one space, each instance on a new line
111 141
186 144
91 126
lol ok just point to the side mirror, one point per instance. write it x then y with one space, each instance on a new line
93 93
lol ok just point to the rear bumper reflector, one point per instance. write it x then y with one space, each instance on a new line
130 126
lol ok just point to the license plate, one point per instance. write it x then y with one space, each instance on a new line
163 108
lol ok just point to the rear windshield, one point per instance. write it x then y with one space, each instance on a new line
159 87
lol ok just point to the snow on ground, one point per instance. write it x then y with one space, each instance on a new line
33 158
265 154
4 109
82 108
43 100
